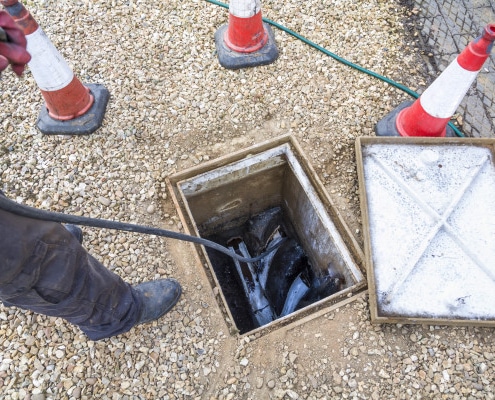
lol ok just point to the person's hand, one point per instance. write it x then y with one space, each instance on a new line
13 51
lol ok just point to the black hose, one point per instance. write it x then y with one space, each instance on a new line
35 213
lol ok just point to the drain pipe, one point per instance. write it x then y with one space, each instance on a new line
260 305
297 291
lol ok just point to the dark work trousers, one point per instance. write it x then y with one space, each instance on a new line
43 268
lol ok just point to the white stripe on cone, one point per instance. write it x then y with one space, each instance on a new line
47 65
444 95
245 9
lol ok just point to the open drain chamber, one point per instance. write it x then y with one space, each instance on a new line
429 227
248 201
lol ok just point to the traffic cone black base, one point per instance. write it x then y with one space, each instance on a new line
387 126
235 60
70 108
86 124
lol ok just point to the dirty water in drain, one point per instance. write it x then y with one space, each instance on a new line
279 284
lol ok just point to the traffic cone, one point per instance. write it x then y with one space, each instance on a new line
70 107
246 41
430 114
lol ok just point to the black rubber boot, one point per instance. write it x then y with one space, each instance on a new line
76 231
157 297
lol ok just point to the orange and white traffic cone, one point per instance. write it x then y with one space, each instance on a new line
431 112
246 41
70 107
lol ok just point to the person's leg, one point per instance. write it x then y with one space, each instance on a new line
76 232
45 269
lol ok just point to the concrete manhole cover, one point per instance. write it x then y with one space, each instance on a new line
429 216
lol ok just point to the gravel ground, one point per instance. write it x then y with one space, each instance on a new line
172 106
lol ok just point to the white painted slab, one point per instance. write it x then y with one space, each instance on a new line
431 211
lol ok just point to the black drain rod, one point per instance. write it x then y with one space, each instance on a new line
35 213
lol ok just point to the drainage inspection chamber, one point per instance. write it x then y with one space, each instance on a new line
429 227
262 197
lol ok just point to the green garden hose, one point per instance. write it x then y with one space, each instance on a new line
342 60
